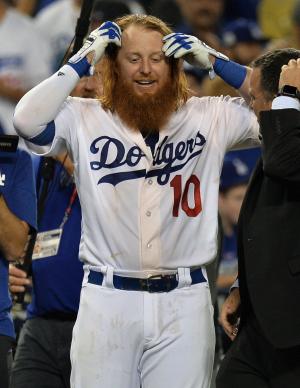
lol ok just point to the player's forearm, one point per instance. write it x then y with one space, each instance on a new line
245 87
13 233
41 104
234 74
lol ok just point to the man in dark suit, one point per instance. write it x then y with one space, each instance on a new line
266 348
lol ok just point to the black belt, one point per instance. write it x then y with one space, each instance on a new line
161 283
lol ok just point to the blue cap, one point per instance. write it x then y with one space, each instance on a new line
238 167
242 30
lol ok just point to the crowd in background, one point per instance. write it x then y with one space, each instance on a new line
39 32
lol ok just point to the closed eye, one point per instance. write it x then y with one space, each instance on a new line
157 57
133 58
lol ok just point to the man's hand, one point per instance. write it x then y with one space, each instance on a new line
96 43
17 279
192 49
229 318
290 74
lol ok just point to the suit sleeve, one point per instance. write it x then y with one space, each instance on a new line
280 131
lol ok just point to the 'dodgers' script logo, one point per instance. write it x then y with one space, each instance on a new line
170 156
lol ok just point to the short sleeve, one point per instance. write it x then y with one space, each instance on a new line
239 127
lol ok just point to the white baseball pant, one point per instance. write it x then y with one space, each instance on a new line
133 339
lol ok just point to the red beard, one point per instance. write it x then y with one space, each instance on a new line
147 113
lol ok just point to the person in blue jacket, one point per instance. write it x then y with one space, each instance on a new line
17 218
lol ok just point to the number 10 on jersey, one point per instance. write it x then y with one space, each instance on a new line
181 196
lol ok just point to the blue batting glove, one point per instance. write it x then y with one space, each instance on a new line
97 42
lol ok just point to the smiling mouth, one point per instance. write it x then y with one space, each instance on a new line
145 82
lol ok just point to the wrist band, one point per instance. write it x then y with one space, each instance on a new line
81 67
231 72
45 137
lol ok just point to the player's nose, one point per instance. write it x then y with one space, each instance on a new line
145 66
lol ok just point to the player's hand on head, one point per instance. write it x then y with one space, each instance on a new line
193 50
96 43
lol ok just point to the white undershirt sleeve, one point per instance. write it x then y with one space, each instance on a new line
41 104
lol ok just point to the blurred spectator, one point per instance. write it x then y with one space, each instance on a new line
293 39
203 19
32 7
111 9
168 11
233 184
43 348
236 9
236 172
17 215
63 15
244 42
134 6
57 24
274 17
21 50
147 5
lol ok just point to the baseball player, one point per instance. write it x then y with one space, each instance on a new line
147 165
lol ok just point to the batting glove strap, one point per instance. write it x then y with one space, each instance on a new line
81 67
97 42
192 49
231 72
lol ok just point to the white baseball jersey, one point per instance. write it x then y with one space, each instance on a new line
141 213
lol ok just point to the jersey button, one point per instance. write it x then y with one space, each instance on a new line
148 213
149 245
150 181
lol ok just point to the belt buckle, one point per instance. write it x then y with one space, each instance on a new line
144 284
148 284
